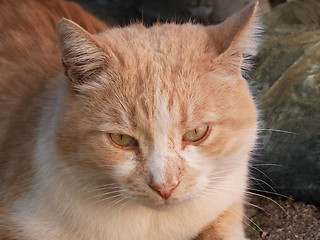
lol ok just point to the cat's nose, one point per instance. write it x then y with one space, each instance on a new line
164 190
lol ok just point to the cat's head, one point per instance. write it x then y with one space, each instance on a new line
159 115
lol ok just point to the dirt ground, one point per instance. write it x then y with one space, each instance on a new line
279 219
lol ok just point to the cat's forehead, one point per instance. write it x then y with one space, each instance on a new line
163 72
171 59
165 44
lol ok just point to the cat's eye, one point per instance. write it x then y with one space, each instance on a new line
122 140
196 134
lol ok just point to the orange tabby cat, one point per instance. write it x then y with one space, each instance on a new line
140 133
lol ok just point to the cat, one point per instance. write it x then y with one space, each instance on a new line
126 133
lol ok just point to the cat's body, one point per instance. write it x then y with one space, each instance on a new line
63 175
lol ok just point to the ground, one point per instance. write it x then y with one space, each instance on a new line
277 219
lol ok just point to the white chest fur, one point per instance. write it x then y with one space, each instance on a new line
38 220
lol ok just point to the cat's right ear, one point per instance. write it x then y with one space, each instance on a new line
236 38
82 56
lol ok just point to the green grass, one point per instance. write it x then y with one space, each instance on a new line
256 227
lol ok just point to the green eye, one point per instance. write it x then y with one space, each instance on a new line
196 134
122 140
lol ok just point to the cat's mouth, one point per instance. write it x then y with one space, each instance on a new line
164 204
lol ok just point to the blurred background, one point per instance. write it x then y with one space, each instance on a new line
121 12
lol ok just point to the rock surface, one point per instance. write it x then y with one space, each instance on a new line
286 83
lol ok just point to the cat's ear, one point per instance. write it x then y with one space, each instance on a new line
82 56
235 38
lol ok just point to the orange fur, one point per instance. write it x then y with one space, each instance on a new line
60 169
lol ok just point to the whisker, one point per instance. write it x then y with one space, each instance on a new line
267 164
107 193
256 206
268 192
123 205
96 187
244 215
240 213
116 202
104 199
214 178
248 188
223 171
278 130
257 180
260 195
107 187
127 202
257 169
243 201
100 190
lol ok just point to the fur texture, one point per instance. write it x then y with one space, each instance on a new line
62 176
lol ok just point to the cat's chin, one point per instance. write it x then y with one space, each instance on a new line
164 205
161 207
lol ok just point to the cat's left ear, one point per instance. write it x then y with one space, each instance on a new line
82 56
236 38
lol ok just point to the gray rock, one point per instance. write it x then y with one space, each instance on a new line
286 83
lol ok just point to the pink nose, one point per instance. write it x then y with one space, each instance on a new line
164 190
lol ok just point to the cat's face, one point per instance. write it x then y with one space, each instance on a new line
163 118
